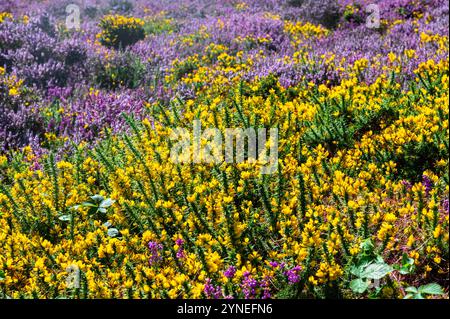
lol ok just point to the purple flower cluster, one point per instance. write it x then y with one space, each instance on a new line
293 275
249 286
445 205
35 53
427 183
265 286
49 58
230 272
180 252
212 291
86 116
155 249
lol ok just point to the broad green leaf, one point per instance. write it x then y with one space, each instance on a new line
431 289
65 218
376 271
357 270
411 290
97 198
113 232
2 275
107 202
358 285
87 204
406 260
367 245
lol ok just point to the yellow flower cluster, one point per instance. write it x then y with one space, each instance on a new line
315 212
4 16
120 31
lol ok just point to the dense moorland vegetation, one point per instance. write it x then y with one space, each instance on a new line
358 206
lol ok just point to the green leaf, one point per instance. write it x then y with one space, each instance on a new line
367 245
431 289
65 218
2 275
376 271
404 271
406 260
358 285
97 198
87 204
411 290
357 270
113 232
107 202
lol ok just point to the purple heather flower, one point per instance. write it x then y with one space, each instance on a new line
154 248
229 273
265 285
406 183
427 183
445 205
180 251
249 285
293 274
212 291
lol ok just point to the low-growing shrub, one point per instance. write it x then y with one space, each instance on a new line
124 69
121 6
120 31
324 12
20 121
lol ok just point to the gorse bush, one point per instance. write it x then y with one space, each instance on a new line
356 119
123 69
158 25
120 31
318 227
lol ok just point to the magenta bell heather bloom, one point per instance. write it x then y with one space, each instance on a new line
212 291
230 272
180 251
155 249
427 183
293 274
